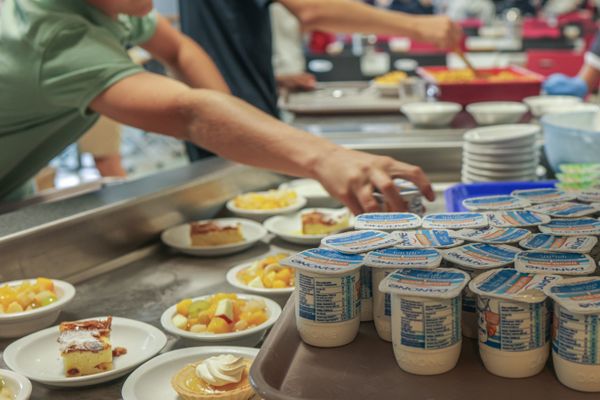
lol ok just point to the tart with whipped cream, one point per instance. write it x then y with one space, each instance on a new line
223 377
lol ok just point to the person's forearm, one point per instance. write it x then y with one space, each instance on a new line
195 67
591 76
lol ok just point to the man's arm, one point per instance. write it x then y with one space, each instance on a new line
237 131
185 58
353 16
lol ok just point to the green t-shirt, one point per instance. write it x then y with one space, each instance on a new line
56 56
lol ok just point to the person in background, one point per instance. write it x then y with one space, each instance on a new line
64 63
586 80
237 35
289 63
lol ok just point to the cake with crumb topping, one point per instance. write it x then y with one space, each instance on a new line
214 234
316 222
85 347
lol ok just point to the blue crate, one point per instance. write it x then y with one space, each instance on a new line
455 195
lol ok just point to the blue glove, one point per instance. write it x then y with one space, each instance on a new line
561 84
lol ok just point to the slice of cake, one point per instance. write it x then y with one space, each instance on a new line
316 222
85 347
215 234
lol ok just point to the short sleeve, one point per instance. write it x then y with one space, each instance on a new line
79 63
142 29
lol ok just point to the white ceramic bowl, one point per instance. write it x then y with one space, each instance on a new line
249 337
314 193
261 215
572 108
289 228
539 105
23 323
178 237
497 112
153 379
278 295
431 114
19 386
37 356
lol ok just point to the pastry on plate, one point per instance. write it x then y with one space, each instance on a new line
212 233
85 347
316 222
222 377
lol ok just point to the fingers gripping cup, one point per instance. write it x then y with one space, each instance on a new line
327 296
383 262
426 315
575 330
514 321
475 259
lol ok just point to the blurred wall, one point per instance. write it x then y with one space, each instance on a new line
166 7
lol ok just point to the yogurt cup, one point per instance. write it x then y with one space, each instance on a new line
425 239
475 259
589 196
514 321
565 210
492 203
575 344
327 293
562 244
425 306
455 221
387 221
517 219
545 195
548 262
383 262
366 294
572 227
355 242
411 195
493 235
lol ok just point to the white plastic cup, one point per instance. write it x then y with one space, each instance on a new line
327 307
366 294
382 311
576 349
426 333
513 336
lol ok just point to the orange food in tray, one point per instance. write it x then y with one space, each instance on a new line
468 76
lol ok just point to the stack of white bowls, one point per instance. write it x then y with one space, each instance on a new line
501 153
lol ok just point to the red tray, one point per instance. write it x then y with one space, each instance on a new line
470 92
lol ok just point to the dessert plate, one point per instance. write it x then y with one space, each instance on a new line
289 228
18 385
153 379
261 215
37 356
178 237
233 280
248 337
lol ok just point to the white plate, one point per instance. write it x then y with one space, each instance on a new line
498 174
572 108
23 323
261 215
507 158
249 337
539 104
289 228
279 295
314 193
178 238
505 135
507 167
433 114
532 148
470 178
153 379
19 386
497 112
37 356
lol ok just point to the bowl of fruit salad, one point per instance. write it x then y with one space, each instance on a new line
14 386
31 304
233 319
265 277
259 206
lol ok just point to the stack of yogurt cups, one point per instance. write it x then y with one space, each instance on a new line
401 271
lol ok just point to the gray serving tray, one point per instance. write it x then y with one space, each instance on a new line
288 369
